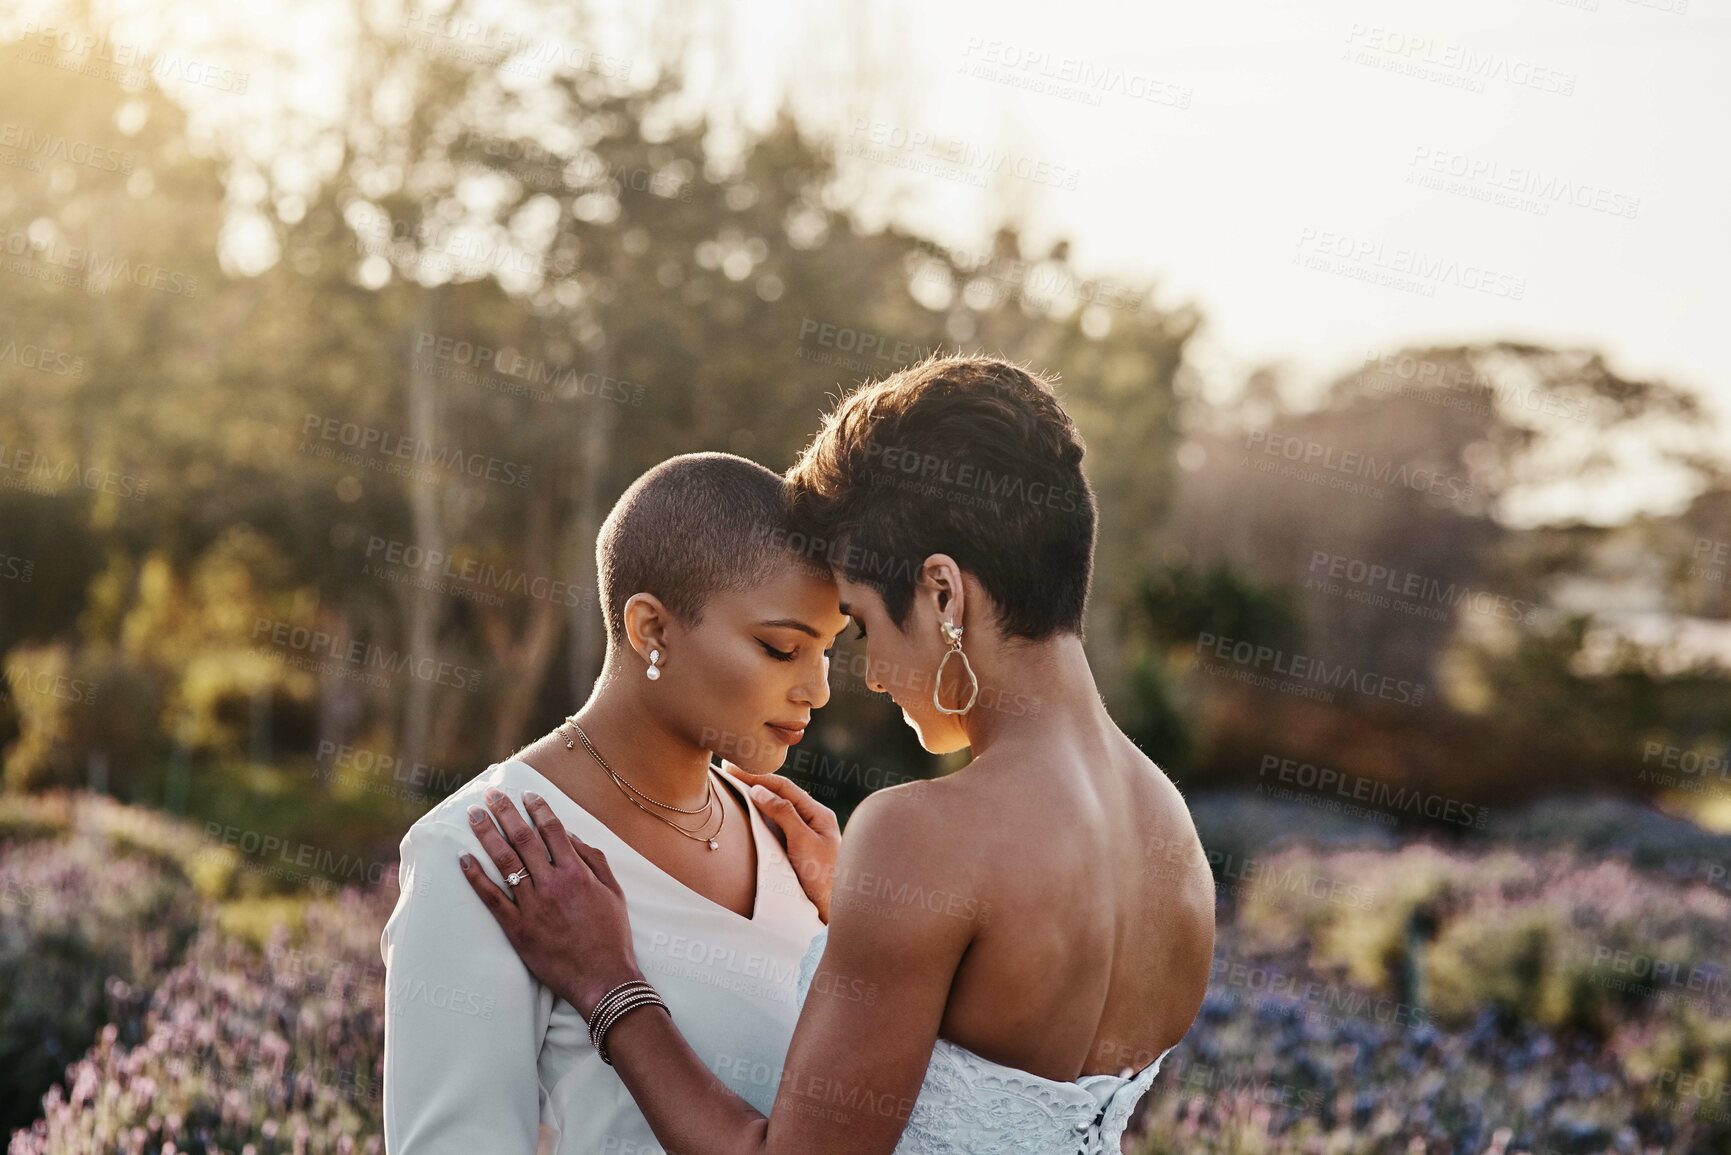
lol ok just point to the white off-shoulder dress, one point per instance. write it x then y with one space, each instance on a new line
969 1105
482 1058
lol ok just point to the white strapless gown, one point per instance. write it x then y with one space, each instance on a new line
972 1106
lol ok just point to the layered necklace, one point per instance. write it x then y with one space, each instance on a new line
711 800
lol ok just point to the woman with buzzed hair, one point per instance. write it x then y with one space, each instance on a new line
716 636
1015 947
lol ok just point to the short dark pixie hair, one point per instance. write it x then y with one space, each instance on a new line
967 456
689 528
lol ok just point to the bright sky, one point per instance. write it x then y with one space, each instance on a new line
1273 129
1326 179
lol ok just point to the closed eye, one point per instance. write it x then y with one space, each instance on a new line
778 655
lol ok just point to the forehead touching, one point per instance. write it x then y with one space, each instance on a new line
689 529
789 597
857 598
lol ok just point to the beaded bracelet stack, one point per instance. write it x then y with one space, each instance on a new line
613 1005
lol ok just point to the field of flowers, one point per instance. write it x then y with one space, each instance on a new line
1559 998
208 1018
243 1048
1438 1001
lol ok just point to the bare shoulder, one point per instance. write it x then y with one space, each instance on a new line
928 819
905 855
900 823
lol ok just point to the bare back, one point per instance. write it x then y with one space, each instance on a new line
1097 947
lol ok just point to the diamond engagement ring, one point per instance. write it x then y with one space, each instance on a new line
516 876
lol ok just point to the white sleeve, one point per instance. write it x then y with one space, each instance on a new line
464 1018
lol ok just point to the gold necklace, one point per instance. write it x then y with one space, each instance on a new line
630 792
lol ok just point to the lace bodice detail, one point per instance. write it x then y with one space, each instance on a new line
972 1106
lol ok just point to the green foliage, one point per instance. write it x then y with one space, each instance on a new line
1238 827
1153 718
56 696
1177 603
1569 943
677 298
1173 606
171 844
1604 826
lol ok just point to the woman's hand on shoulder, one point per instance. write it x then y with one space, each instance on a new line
808 828
566 913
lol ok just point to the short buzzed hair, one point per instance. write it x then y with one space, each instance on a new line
689 528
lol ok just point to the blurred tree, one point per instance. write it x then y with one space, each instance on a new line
559 267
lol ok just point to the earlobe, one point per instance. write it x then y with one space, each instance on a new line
644 623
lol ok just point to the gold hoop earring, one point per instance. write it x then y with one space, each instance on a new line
954 634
